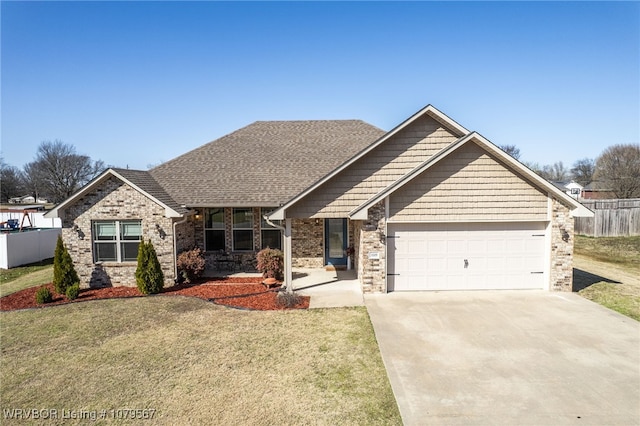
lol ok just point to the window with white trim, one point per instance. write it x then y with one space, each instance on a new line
116 240
214 229
242 229
270 236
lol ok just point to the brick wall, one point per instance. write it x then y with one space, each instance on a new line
114 200
307 243
561 273
372 272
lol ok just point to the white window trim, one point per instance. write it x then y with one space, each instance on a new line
118 241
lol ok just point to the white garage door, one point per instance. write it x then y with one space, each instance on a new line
465 256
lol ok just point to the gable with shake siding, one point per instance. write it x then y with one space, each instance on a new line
378 168
468 185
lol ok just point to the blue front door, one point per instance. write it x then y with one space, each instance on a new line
335 241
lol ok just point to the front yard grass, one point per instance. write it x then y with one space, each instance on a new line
614 263
195 363
14 279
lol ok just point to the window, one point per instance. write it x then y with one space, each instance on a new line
242 229
214 229
270 235
116 240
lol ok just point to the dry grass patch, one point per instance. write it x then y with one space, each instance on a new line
624 251
196 363
12 283
619 297
607 271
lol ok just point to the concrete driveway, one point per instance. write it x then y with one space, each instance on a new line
508 358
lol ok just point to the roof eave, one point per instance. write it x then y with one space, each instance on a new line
168 211
55 212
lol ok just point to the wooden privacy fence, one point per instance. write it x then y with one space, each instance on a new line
613 218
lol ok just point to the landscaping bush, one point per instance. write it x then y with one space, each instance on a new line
73 291
287 299
43 295
64 274
270 263
149 276
191 264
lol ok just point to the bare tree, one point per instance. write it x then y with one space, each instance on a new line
618 170
10 182
57 171
556 172
582 171
512 150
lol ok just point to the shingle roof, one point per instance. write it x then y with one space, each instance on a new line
263 164
143 180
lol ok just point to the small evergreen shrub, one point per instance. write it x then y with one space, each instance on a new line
64 273
191 264
73 291
270 263
149 276
43 295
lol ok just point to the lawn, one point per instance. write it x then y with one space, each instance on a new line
608 268
623 251
14 279
195 363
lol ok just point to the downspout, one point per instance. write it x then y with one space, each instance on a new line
287 275
175 248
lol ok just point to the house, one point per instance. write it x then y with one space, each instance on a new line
594 191
27 199
573 189
428 205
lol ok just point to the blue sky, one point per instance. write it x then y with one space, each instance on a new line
138 83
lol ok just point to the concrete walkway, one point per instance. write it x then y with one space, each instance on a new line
328 289
508 358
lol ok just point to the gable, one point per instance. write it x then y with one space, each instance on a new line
112 198
468 185
378 168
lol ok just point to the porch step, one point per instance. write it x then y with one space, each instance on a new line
335 268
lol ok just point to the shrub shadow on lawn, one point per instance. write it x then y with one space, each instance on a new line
583 279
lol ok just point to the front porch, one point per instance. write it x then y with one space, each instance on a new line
327 289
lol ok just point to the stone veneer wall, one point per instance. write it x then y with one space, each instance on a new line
114 200
186 235
372 272
561 272
307 243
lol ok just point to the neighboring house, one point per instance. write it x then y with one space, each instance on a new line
428 205
27 199
572 189
593 192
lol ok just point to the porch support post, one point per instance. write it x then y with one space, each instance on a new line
288 271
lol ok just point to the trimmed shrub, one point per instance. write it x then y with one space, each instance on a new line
64 274
287 299
270 263
191 264
73 291
43 295
149 276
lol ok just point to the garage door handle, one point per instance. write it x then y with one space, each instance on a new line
466 263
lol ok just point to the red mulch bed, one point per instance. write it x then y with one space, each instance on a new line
237 292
